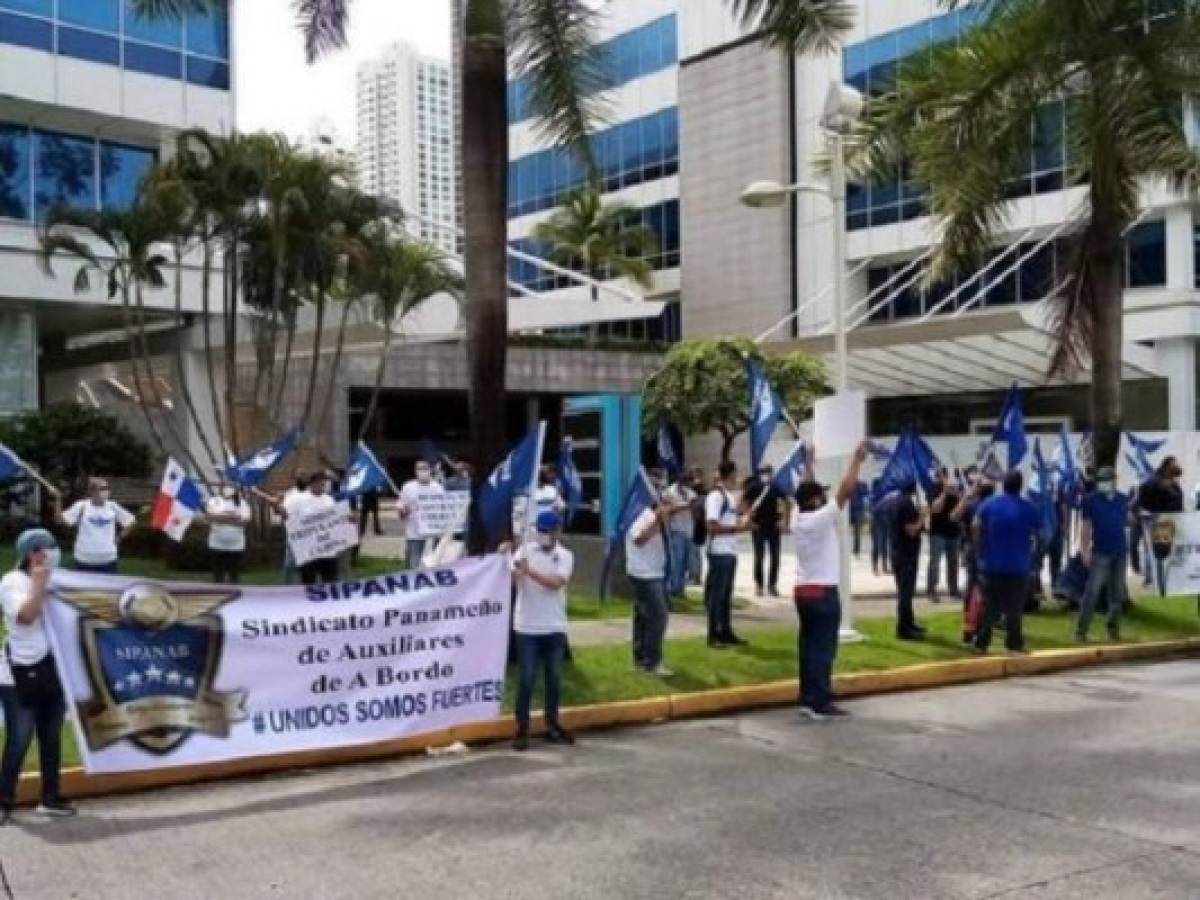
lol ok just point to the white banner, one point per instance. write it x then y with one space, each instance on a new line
1171 548
321 534
163 674
443 513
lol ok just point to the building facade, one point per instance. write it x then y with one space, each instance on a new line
936 355
406 147
637 151
90 96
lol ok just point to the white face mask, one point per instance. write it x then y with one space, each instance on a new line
424 476
546 541
102 496
1107 488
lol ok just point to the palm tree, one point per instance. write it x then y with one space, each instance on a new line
600 239
962 117
398 275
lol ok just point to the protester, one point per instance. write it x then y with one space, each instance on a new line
981 489
1004 530
646 567
908 523
858 516
699 527
290 500
100 525
34 703
1135 533
1103 544
818 568
944 537
765 503
323 569
548 497
681 497
542 569
409 508
227 515
724 522
368 510
881 532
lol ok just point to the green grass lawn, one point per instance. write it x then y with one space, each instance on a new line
605 673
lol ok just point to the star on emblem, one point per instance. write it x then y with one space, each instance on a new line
189 682
154 673
134 679
174 678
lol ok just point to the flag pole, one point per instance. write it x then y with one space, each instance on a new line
530 496
34 472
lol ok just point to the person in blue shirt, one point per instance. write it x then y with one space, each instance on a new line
1104 545
858 514
1004 530
881 530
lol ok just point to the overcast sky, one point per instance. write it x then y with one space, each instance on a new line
278 91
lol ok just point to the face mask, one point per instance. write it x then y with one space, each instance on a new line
228 493
102 496
52 557
1107 488
424 477
546 541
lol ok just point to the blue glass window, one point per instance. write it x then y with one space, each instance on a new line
102 15
121 170
14 171
153 60
207 73
34 7
89 45
64 171
1147 255
208 33
23 31
164 31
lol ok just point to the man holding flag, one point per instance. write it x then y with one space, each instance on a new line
646 565
724 521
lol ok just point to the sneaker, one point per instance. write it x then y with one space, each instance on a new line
1114 635
6 814
734 641
812 715
910 634
521 741
56 809
661 671
556 735
774 592
832 711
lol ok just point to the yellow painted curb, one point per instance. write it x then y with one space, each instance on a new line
77 783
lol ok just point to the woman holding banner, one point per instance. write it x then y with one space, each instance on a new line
35 704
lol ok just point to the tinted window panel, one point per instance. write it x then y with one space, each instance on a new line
36 7
152 31
153 60
121 170
207 73
89 45
15 171
64 171
103 15
25 32
208 34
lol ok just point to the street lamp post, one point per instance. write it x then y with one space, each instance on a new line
843 106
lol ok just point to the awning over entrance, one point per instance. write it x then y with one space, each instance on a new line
979 351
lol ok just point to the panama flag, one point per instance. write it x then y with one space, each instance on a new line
177 504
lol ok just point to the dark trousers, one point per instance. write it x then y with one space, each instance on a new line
320 571
856 536
881 557
942 548
1054 555
718 596
818 643
369 508
649 621
546 651
904 570
766 543
43 718
1003 595
226 566
109 568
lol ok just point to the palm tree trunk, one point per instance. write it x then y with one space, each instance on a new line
181 380
485 159
1107 274
127 316
375 391
331 381
206 309
267 365
277 404
315 367
230 297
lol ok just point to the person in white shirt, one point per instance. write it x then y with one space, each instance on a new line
542 569
646 567
227 516
99 525
36 704
725 521
681 528
818 569
409 507
322 570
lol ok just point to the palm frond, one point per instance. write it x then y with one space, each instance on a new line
555 46
324 24
171 10
798 26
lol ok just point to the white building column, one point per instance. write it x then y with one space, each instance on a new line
1181 257
1177 359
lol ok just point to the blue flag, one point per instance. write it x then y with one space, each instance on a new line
252 471
898 474
364 473
1145 445
512 477
991 469
1140 465
570 485
766 409
10 465
879 451
925 464
1045 492
667 457
640 497
1064 460
1010 428
791 472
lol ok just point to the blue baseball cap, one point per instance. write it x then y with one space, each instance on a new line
548 521
33 539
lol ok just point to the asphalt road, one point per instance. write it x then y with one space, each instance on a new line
1081 785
